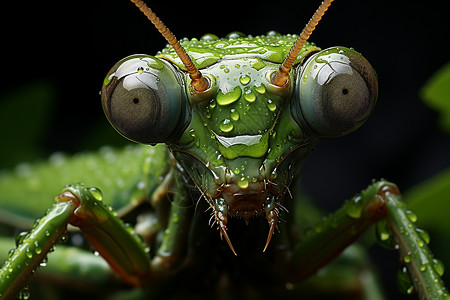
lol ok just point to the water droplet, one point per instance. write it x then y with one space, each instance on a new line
226 125
411 216
64 237
234 115
24 294
438 266
243 183
420 243
410 290
175 218
250 96
407 258
227 70
404 282
274 174
230 97
28 253
209 37
20 237
423 268
237 66
305 78
244 79
260 89
36 223
96 193
383 235
354 207
424 235
11 252
271 105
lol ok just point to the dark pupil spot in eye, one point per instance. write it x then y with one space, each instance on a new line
344 91
135 100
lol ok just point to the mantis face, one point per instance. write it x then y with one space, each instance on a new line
243 127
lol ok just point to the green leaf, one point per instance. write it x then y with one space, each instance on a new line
436 94
431 200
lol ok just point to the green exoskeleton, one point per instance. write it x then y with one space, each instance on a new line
239 115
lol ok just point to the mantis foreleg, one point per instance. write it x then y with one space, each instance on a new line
124 251
380 200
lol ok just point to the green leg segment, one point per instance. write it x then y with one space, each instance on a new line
420 271
115 242
32 248
176 234
381 200
124 251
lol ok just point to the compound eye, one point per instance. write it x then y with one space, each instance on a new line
336 90
142 99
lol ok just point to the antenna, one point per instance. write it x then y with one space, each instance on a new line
199 83
282 75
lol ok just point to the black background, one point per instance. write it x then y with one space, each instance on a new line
72 45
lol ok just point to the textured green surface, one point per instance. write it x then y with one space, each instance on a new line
240 129
206 52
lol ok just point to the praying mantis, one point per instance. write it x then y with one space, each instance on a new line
223 233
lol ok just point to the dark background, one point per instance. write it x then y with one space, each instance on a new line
69 48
